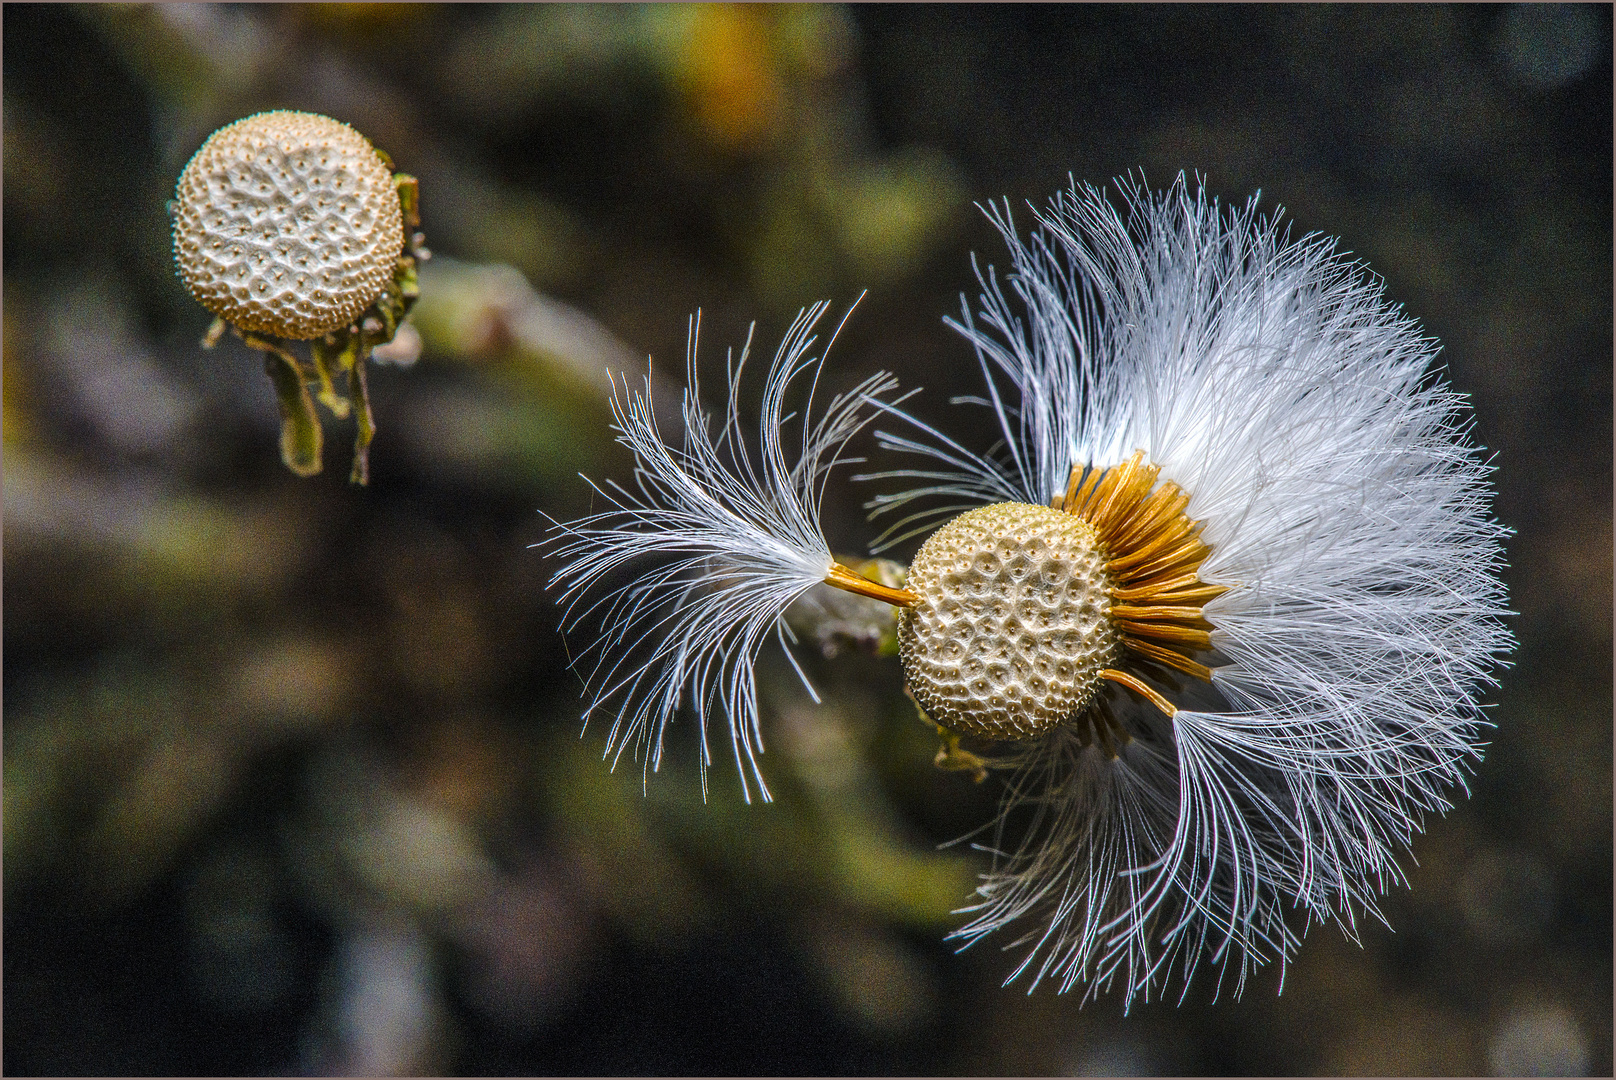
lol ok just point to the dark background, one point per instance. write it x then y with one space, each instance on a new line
293 779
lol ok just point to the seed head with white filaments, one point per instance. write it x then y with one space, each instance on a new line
1346 587
1222 597
722 544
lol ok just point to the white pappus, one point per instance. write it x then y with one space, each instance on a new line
731 543
1224 606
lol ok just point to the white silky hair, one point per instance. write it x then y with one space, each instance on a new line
720 545
1348 513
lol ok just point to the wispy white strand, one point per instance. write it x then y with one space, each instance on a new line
720 545
1347 510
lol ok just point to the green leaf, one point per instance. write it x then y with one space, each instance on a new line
301 437
365 424
323 356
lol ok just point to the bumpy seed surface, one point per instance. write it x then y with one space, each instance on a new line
287 223
1011 629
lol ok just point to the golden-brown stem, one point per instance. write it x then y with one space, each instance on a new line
1141 689
843 578
1169 657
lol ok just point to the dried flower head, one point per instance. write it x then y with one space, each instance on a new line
287 223
290 225
1223 607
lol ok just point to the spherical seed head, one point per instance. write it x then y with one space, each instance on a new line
1011 630
287 223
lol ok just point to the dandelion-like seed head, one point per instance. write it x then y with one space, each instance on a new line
1223 597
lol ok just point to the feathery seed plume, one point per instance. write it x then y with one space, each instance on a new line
1221 602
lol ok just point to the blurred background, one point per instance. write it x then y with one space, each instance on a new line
294 780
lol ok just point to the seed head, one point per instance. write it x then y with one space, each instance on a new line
1010 632
287 223
1225 480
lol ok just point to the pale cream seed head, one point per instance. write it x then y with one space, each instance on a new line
287 223
1010 630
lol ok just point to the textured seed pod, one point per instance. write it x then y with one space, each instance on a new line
1011 631
287 223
